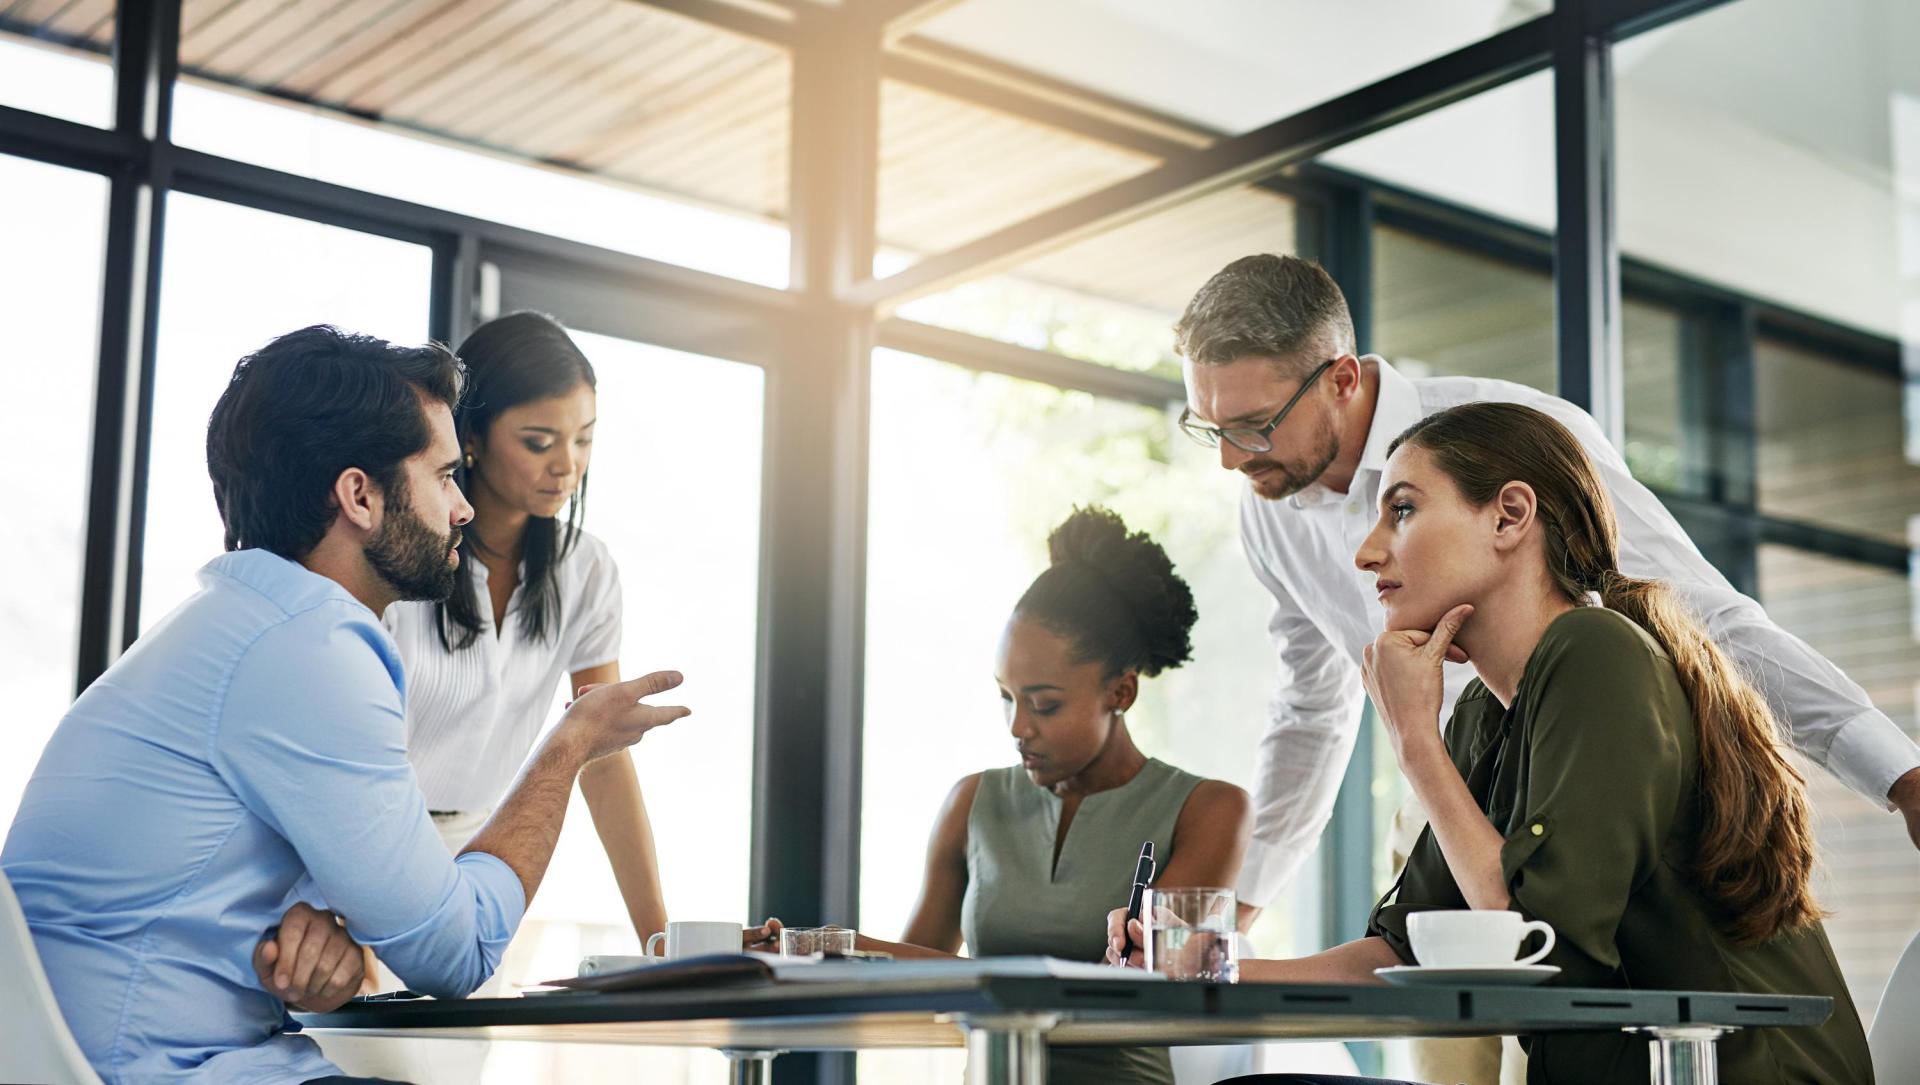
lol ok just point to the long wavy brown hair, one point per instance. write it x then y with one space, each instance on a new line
1755 852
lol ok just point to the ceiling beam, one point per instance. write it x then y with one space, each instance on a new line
898 18
1239 160
1016 92
1045 367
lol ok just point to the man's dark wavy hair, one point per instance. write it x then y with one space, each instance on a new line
306 407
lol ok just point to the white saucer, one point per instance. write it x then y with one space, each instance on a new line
1513 975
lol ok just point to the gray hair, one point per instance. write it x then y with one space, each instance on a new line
1280 307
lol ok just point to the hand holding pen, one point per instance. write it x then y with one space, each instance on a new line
1124 930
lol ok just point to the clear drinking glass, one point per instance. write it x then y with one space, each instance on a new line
816 941
1190 934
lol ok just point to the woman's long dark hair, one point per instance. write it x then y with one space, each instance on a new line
1755 854
515 359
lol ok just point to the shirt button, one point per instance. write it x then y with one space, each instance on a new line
1539 829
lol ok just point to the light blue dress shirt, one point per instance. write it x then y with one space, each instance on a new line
248 751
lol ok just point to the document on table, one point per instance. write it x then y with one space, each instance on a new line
613 974
802 970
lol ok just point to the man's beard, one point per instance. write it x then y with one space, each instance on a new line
410 556
1289 479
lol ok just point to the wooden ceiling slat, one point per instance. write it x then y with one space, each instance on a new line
473 45
196 15
437 27
261 58
668 52
631 92
81 15
599 38
674 154
682 141
679 105
404 23
748 168
359 21
1000 174
233 26
36 12
575 106
502 64
101 32
245 54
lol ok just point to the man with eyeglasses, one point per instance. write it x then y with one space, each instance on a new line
1275 384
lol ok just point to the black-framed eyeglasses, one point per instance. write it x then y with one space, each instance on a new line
1248 438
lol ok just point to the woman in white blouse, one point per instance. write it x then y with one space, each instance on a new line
537 600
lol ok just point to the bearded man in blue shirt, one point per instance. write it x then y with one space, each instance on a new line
250 750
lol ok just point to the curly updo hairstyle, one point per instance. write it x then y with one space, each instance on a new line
1113 594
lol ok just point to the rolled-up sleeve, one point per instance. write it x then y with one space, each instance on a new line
311 736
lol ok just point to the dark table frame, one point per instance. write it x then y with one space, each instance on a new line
1008 1021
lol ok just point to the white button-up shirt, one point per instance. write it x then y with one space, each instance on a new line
1325 612
473 715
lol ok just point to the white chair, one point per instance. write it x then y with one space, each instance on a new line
1895 1036
34 1042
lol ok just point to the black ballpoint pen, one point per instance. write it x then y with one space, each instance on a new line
1142 877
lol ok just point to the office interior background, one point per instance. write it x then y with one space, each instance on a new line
878 289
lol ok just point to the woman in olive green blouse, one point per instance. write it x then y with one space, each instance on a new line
1610 772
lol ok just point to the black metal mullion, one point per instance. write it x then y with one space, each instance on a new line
59 142
157 128
456 277
1025 363
145 49
1833 543
813 530
1586 252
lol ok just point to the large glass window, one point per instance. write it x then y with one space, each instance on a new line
1662 449
1229 66
1745 164
685 531
52 220
1492 153
235 278
1440 309
622 125
1113 298
1773 147
944 177
53 59
1861 618
1833 440
970 471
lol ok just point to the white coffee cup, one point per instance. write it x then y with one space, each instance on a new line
697 938
1473 938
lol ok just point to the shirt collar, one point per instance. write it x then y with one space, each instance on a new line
1396 405
289 584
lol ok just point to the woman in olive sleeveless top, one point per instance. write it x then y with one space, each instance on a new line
1610 772
1028 859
